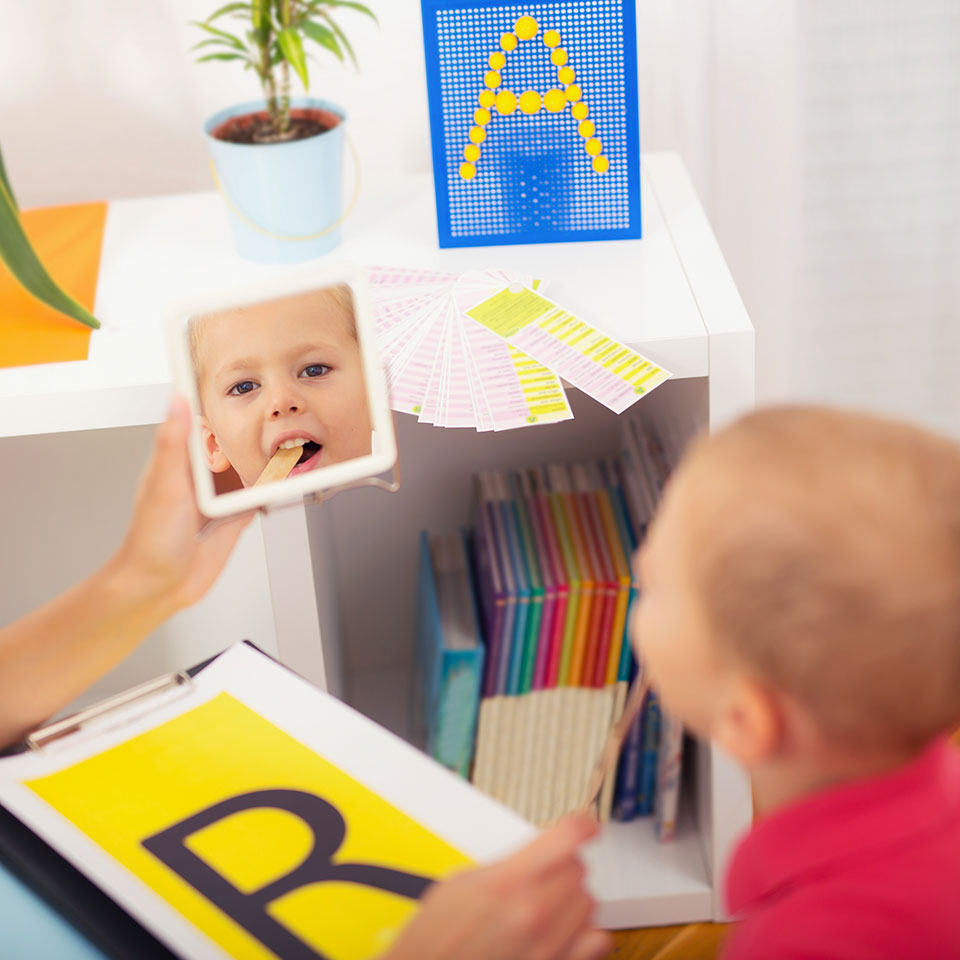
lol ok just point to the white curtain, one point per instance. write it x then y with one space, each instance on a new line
824 137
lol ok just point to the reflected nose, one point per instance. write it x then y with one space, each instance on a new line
282 401
283 409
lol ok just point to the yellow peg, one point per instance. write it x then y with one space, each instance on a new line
530 101
506 102
526 28
554 100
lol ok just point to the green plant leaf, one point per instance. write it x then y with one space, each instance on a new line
5 183
221 56
233 41
320 34
292 47
351 4
214 42
341 36
19 256
229 8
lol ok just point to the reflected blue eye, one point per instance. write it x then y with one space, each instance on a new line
315 370
244 386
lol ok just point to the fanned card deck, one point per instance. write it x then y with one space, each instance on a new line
486 349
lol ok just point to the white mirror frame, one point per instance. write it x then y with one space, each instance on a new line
383 455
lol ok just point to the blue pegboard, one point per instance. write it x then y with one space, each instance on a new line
534 181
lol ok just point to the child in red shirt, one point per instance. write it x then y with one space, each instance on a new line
801 607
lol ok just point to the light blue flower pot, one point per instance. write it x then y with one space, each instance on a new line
280 193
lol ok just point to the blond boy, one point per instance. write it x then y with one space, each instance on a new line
801 607
285 372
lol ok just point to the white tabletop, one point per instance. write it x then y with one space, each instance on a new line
161 252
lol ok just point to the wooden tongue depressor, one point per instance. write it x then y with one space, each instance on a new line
281 463
607 764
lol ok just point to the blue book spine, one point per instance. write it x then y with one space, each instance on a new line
428 640
628 773
648 762
450 679
456 712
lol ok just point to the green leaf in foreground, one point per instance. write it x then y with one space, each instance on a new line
18 255
5 183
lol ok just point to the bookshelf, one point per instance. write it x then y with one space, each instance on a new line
300 584
672 297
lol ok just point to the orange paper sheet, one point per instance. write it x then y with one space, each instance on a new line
68 241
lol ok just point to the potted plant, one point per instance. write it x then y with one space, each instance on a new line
19 256
279 162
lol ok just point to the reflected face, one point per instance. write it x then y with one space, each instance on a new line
278 373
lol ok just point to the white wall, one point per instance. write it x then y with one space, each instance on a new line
101 98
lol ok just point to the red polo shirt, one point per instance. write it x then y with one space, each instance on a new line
863 871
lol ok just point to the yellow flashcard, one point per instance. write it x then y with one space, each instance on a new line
615 375
262 844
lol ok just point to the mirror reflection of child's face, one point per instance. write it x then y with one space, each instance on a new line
279 371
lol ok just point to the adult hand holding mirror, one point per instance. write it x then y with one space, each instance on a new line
289 395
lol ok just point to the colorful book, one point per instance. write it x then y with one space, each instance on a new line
628 772
490 590
450 650
646 789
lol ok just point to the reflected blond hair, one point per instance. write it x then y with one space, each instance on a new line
340 295
827 552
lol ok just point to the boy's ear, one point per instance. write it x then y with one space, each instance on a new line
216 459
749 724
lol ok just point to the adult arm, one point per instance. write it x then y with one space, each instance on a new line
54 653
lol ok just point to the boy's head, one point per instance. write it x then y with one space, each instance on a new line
285 370
802 579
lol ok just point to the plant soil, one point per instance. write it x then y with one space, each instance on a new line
255 128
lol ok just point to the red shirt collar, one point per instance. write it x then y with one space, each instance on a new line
843 823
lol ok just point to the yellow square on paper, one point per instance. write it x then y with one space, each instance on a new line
236 805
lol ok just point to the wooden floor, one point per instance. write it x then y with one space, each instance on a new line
694 941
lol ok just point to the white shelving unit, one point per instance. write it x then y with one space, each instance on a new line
339 579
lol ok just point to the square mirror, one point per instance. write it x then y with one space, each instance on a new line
287 391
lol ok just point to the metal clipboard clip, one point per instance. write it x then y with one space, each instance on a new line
179 683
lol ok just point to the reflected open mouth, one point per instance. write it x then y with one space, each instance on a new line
309 459
309 449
